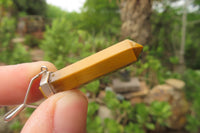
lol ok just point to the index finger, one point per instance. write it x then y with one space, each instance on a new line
14 81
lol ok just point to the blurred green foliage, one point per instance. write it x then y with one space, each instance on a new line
166 30
29 111
7 30
192 54
59 41
32 41
111 126
16 126
93 121
131 127
160 112
192 79
127 119
197 3
152 70
31 7
54 12
102 16
64 45
11 53
92 87
6 3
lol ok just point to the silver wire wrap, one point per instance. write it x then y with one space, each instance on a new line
15 111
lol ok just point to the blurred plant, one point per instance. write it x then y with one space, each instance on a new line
16 55
31 41
16 126
160 111
59 41
133 128
19 55
6 4
192 54
31 7
7 30
193 124
92 87
64 45
192 79
2 110
11 53
102 16
174 59
166 32
28 112
94 122
54 12
152 70
142 117
139 118
111 126
22 14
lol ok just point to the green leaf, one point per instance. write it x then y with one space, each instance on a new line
111 126
92 86
150 126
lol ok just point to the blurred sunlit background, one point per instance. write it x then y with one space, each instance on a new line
158 94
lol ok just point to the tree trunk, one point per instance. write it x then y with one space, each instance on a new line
181 66
135 16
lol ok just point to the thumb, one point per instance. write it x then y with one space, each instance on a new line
64 112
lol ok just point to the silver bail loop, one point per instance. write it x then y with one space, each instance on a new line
15 111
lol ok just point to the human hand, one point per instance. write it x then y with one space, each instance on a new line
64 112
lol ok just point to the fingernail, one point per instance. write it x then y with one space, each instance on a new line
70 113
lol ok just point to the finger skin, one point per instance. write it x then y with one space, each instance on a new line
14 81
65 112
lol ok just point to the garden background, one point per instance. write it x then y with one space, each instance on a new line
162 89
